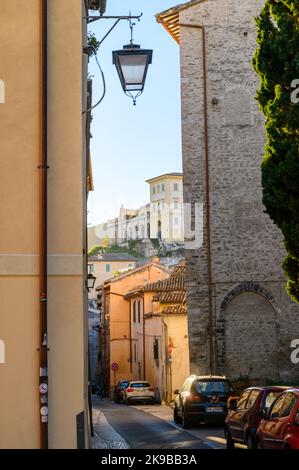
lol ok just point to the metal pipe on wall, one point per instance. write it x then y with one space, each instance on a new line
207 187
43 276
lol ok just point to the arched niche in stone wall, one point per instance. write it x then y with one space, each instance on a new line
248 334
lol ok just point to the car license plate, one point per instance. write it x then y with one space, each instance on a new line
215 409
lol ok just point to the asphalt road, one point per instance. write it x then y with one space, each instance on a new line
146 430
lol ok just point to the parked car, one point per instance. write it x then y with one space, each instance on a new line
139 391
119 390
245 414
280 427
202 399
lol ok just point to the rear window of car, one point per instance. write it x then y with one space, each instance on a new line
216 386
124 384
140 385
270 398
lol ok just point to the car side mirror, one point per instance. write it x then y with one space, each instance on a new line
232 404
176 392
297 419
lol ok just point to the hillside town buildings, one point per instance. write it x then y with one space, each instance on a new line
162 218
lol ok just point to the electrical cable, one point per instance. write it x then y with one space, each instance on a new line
104 87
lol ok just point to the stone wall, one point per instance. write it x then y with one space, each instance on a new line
245 245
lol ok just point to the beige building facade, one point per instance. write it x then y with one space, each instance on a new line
20 136
167 208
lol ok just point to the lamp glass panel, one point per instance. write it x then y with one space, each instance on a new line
133 68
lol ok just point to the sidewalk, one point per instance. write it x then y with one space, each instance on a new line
105 436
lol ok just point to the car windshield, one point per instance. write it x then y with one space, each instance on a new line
269 399
140 385
212 387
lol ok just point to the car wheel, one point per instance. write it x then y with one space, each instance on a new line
185 419
230 443
176 418
251 443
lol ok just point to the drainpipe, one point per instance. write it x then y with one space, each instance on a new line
207 184
143 334
166 359
43 167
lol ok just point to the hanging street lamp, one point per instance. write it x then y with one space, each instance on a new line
91 279
131 64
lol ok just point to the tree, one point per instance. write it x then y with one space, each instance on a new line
276 61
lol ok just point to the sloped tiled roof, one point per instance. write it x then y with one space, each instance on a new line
175 310
170 18
171 291
176 282
170 297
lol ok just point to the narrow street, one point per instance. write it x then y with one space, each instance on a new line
152 427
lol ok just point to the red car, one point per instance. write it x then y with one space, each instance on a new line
119 390
280 428
245 414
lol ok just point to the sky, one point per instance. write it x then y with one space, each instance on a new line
131 144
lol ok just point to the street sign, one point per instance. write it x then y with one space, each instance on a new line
114 366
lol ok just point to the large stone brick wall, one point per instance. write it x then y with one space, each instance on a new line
247 248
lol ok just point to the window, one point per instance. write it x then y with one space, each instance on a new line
187 385
269 399
210 387
108 268
176 221
134 312
91 268
139 385
156 349
163 188
158 188
154 189
252 399
288 405
139 302
176 205
175 187
242 402
135 353
277 407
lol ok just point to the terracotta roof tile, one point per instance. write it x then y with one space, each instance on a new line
176 309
